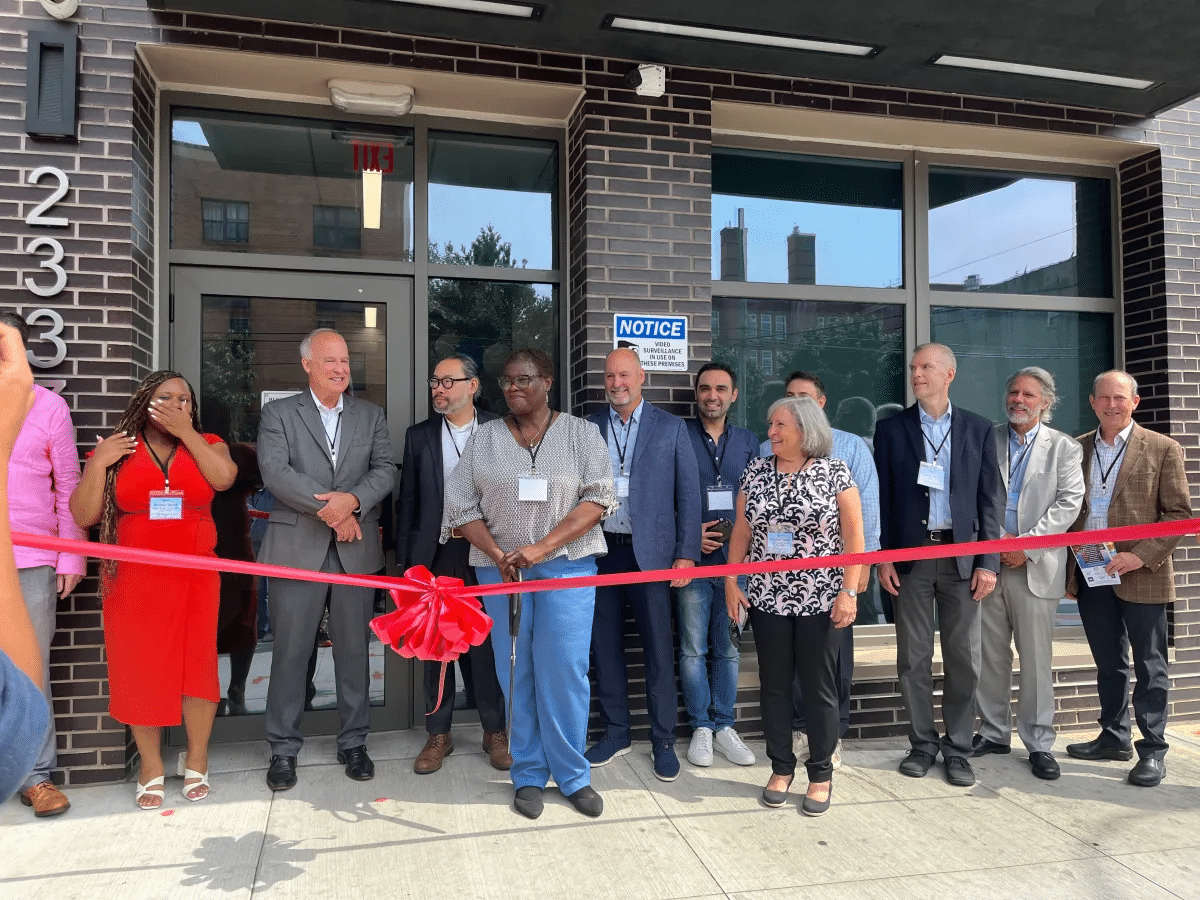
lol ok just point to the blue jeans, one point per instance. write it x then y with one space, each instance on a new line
551 694
704 634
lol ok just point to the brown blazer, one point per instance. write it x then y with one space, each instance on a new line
1151 487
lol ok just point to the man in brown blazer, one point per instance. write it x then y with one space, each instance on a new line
1133 477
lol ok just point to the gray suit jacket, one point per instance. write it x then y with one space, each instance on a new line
1051 495
293 455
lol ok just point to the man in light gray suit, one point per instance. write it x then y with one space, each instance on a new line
327 458
1043 480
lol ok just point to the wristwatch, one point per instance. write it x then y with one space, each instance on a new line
851 591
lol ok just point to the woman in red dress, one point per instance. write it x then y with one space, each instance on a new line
151 485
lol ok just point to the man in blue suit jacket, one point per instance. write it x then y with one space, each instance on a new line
657 526
939 483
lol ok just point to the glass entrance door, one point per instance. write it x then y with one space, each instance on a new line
236 336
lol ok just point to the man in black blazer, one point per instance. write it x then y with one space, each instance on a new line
431 450
657 526
939 483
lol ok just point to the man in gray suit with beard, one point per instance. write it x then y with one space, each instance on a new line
1043 482
327 458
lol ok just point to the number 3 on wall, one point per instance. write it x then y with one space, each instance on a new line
50 335
38 217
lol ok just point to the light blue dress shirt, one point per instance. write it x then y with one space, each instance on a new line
622 435
937 449
854 452
1105 459
1017 462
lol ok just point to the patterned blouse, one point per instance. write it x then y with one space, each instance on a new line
572 456
809 509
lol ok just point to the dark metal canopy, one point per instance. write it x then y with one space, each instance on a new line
1141 39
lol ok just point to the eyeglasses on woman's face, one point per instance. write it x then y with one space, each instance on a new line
520 382
447 383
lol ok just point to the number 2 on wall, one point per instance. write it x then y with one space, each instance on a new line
37 216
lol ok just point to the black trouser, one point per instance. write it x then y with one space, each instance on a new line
479 664
805 647
845 667
1114 626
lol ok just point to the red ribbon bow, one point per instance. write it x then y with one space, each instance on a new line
432 620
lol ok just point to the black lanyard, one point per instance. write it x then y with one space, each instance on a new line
337 429
446 422
715 458
164 466
613 420
530 448
1104 473
1014 465
929 440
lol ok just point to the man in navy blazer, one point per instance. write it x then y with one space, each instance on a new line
431 451
939 483
657 526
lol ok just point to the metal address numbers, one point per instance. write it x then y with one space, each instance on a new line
52 263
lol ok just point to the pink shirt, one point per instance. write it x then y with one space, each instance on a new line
41 477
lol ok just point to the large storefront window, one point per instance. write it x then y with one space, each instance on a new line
487 320
807 220
991 344
271 184
1008 233
856 349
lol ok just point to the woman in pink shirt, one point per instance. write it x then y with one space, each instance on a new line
42 473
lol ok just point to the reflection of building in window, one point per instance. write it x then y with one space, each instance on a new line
733 250
336 227
765 321
239 315
226 221
781 327
801 257
716 322
767 367
751 324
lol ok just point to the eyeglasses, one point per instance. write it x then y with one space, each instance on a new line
447 383
520 382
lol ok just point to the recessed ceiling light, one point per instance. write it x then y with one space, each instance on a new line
491 7
738 36
991 65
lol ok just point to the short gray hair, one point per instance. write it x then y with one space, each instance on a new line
1045 380
817 436
1133 389
306 344
951 359
470 369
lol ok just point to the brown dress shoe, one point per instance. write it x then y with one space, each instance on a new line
437 748
46 799
495 745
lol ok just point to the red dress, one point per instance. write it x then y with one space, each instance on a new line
160 624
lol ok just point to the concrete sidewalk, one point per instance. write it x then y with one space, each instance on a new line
706 835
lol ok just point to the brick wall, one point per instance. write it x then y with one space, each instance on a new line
638 213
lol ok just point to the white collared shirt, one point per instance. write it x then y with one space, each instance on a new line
331 419
1106 459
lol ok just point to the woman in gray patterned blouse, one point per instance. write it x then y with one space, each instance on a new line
529 494
798 503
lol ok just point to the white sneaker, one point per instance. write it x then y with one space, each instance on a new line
700 749
730 743
800 745
836 759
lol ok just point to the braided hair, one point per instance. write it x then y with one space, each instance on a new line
133 423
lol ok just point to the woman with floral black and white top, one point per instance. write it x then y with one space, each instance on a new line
796 504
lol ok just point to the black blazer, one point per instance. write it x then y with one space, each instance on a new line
976 492
422 492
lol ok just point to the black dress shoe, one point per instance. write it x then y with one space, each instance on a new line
917 763
282 773
358 764
1044 765
587 801
1148 772
1098 749
981 746
811 807
959 772
528 801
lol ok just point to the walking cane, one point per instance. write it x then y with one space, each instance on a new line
514 625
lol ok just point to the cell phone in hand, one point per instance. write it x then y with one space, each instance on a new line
724 527
737 626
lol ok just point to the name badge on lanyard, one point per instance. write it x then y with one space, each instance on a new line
720 498
781 539
621 484
932 475
166 504
533 488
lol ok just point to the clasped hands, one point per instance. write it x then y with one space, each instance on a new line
338 514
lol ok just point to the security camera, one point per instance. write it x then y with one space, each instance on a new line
648 80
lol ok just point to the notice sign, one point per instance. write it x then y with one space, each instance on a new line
660 341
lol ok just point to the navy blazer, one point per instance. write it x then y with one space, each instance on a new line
976 492
664 489
422 491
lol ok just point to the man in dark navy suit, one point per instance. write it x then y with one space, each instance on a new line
656 526
431 450
939 483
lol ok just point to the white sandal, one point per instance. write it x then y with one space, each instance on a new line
154 788
198 779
